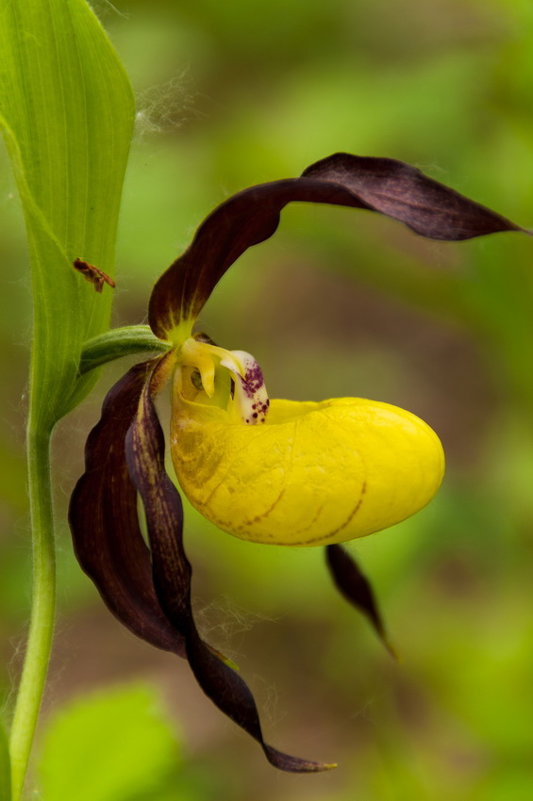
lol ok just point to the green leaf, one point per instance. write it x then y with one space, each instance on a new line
110 746
66 110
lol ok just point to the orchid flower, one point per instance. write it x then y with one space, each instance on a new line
277 472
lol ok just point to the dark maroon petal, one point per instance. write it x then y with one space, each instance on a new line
104 523
386 186
356 589
145 448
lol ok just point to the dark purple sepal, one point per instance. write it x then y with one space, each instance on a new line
105 528
403 192
356 588
145 447
382 185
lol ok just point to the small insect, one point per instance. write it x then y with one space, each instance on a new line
93 274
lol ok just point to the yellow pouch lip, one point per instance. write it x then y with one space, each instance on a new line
338 488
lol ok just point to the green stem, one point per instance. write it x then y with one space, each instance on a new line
39 645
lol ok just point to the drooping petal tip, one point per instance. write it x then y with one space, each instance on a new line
356 588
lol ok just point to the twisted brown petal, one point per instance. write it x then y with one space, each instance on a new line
172 578
104 523
386 186
356 588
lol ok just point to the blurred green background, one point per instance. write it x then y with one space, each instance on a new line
338 303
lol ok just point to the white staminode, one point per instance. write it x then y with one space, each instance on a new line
251 397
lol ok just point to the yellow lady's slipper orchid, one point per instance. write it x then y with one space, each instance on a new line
286 472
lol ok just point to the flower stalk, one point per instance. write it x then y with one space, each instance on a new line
39 645
118 342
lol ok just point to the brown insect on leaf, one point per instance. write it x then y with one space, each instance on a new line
95 275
